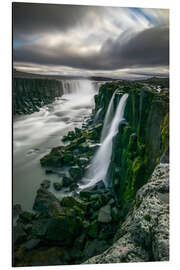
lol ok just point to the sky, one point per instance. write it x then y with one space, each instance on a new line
124 43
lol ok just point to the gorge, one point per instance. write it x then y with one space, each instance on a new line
101 192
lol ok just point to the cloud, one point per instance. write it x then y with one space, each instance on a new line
93 39
147 48
32 18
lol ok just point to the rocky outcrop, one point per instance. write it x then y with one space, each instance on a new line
30 94
126 221
144 235
141 140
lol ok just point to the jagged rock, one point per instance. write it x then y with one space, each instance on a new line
19 234
57 186
46 184
76 172
46 256
62 229
45 201
94 247
30 244
29 94
67 181
165 157
104 215
93 229
26 217
48 171
115 213
72 201
144 235
82 161
17 209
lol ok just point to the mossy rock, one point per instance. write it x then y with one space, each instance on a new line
93 229
76 172
73 201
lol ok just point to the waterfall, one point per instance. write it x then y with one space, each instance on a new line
102 158
79 87
97 115
108 118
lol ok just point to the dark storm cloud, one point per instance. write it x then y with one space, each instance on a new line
89 39
146 48
32 19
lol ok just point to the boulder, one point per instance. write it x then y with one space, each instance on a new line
76 172
144 235
94 247
104 215
31 244
57 186
19 234
82 161
67 181
46 184
26 217
93 229
72 201
17 209
62 229
44 201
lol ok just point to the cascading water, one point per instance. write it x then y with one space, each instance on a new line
108 118
101 160
34 135
97 115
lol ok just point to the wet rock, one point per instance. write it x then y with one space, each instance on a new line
93 229
57 186
19 234
98 188
72 201
67 181
94 247
31 244
104 215
73 187
68 158
144 235
115 213
49 171
76 172
82 161
62 229
17 209
46 256
44 200
26 217
165 157
46 184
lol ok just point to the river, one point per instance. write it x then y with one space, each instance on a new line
34 135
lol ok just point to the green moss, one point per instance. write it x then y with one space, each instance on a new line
93 229
165 132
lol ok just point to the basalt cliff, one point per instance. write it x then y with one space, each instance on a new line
122 218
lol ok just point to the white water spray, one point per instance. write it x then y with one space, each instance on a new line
35 134
102 158
97 115
108 119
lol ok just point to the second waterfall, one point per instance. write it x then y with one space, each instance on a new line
100 163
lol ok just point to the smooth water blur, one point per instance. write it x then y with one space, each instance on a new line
108 118
100 163
34 135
